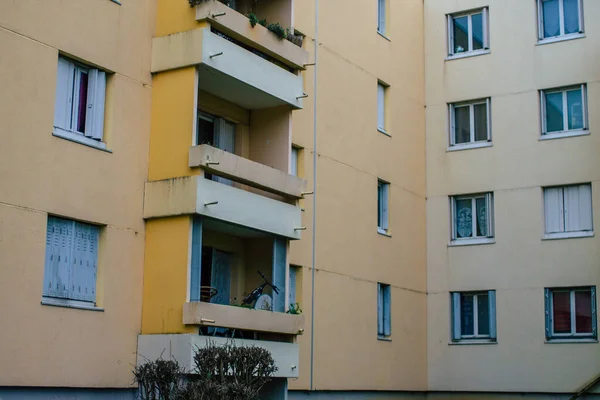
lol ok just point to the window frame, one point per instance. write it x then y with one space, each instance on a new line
383 203
561 20
564 132
67 101
382 114
452 124
456 317
549 311
384 311
563 212
382 17
484 11
489 198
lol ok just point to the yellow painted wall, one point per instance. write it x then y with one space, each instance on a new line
175 16
41 174
166 275
520 264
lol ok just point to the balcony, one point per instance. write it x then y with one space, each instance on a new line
181 348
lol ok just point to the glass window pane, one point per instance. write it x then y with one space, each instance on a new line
481 207
561 305
477 28
483 315
583 311
551 18
571 11
464 220
554 112
574 102
462 125
480 111
379 203
461 34
466 312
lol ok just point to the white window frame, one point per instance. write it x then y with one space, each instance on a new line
384 311
563 233
566 132
67 102
383 200
382 16
486 33
456 316
561 17
489 199
550 334
471 104
382 93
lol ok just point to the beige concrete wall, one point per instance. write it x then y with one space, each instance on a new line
42 174
351 257
519 265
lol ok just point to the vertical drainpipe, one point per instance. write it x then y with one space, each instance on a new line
314 199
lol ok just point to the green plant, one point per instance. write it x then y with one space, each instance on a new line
254 20
277 29
294 308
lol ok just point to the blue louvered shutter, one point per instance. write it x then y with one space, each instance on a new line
492 313
548 313
90 263
52 256
455 300
94 122
63 277
77 263
64 94
279 273
196 261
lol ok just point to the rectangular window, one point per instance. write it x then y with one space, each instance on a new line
571 313
294 272
474 316
564 110
383 194
71 260
470 123
294 161
384 314
468 32
472 217
381 16
568 209
381 107
80 98
559 18
216 132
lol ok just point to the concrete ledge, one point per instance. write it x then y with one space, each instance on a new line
238 26
197 195
198 313
245 171
181 348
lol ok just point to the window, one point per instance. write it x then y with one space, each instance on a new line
381 107
468 33
71 260
571 313
294 161
79 108
294 272
472 217
383 190
564 110
384 315
568 211
218 133
470 123
381 16
559 18
474 316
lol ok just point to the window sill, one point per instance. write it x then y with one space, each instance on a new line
384 338
571 340
560 38
384 232
78 138
469 146
471 242
384 132
66 303
383 36
568 235
467 54
467 342
564 134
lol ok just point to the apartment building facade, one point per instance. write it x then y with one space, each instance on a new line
75 112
